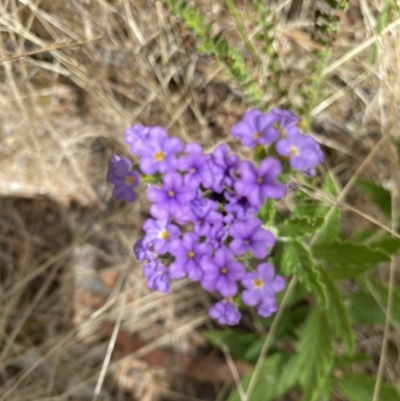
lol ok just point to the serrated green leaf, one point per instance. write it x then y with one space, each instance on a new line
297 259
236 341
363 235
314 355
277 375
300 226
337 313
358 387
267 212
379 195
388 244
347 259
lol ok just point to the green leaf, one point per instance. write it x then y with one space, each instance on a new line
331 188
314 355
289 259
347 259
345 360
358 387
363 309
288 327
379 195
337 313
236 341
297 259
300 226
277 375
363 235
388 244
304 205
331 227
267 212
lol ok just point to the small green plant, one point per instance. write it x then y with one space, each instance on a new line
310 251
325 32
218 48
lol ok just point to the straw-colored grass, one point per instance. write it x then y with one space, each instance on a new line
73 76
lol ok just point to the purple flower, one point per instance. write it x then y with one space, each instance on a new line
157 276
284 119
258 184
196 164
125 179
223 165
303 151
239 206
221 272
134 135
188 252
225 312
256 128
143 252
268 308
217 234
159 234
204 213
250 236
260 288
158 152
172 199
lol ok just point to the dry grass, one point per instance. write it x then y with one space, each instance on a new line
73 76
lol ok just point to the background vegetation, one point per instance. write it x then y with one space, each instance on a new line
76 320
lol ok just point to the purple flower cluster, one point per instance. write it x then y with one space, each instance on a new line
280 127
204 207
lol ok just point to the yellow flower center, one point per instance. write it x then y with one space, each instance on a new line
259 180
190 255
257 136
258 283
130 179
223 270
164 234
293 151
159 156
171 193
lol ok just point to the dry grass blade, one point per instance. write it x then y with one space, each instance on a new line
354 52
56 46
